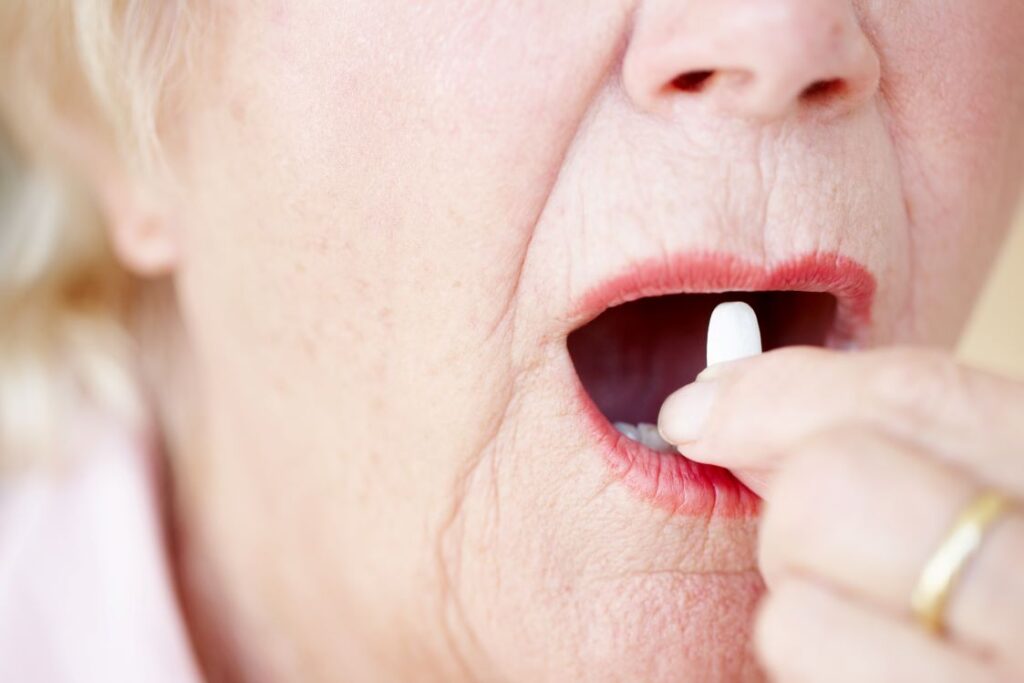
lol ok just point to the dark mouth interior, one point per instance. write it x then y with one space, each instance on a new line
631 357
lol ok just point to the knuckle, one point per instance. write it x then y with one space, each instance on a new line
916 384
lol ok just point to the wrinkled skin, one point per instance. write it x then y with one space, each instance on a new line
388 212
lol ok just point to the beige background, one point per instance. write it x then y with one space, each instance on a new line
995 338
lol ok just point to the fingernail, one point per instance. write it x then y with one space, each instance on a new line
684 414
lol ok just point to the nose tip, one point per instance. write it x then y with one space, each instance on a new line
758 59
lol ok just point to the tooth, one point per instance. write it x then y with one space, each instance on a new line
650 437
629 430
646 434
733 333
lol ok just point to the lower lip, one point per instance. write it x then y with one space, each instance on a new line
673 482
669 481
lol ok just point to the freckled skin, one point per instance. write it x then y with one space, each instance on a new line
388 210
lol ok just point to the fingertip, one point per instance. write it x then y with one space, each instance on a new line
685 414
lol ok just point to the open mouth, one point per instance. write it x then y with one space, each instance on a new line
632 356
645 336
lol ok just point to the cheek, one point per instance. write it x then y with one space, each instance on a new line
394 166
360 202
957 117
382 186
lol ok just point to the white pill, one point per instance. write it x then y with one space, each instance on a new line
733 333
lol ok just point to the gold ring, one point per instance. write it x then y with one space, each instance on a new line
939 577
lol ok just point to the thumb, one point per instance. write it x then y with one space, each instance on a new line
748 414
744 415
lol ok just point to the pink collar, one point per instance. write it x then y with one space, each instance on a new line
86 589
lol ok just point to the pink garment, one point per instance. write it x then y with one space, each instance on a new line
85 585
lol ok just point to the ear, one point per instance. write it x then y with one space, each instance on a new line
139 224
135 207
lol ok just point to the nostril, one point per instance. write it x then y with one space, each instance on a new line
692 81
823 90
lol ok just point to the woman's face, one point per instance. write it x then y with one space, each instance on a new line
397 212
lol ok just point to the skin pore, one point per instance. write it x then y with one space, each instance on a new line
387 213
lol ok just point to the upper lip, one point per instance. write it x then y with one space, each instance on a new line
851 283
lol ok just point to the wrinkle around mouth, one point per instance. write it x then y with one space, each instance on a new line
590 102
451 535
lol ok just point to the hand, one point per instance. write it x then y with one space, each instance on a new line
865 460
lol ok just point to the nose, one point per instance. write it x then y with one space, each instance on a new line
757 59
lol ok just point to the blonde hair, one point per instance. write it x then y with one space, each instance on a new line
102 66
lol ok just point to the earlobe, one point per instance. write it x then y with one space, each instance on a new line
138 220
143 237
137 215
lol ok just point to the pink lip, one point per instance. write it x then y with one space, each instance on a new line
670 481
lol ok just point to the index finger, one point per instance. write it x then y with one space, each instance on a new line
746 415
